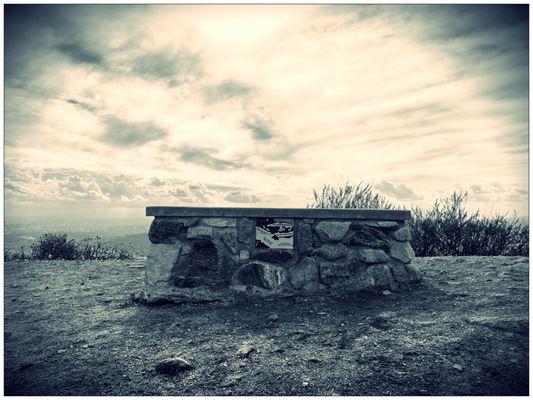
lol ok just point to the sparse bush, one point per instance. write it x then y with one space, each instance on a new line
16 255
57 246
445 229
54 246
349 196
94 248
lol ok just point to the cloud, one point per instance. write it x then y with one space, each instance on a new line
226 90
81 53
260 128
239 197
84 105
203 156
128 134
174 67
74 187
399 191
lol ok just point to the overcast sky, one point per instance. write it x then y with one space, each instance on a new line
112 108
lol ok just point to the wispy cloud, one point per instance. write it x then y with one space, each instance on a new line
172 66
226 90
80 52
205 156
398 191
127 134
259 127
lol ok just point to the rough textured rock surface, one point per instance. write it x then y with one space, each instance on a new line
166 230
362 235
372 256
262 275
228 237
200 232
274 256
245 230
304 274
336 274
173 366
382 276
401 251
332 231
402 235
381 224
332 251
244 255
220 222
159 263
206 265
363 281
304 239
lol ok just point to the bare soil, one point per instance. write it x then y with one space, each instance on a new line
70 330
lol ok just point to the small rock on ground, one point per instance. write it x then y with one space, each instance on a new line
173 366
245 350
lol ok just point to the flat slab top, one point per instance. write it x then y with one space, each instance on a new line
319 213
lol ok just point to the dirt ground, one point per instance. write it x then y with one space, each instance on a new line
70 330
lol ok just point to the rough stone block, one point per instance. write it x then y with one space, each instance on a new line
304 239
363 281
335 274
381 224
402 235
245 230
160 262
332 252
362 235
414 274
228 237
200 232
274 256
382 275
332 231
401 251
221 222
372 256
400 273
305 273
262 275
166 230
244 255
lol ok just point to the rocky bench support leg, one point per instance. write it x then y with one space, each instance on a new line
203 254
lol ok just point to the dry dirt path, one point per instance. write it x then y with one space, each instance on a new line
69 330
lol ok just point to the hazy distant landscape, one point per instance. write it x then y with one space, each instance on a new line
114 231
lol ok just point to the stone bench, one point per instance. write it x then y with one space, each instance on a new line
204 253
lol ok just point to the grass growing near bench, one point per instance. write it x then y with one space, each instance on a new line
445 229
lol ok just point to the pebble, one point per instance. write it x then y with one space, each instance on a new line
273 317
245 350
387 292
457 367
173 366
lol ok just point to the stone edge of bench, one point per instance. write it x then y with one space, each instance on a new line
239 212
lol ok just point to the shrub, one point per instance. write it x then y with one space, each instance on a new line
54 246
445 229
16 255
94 248
349 196
57 246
